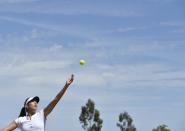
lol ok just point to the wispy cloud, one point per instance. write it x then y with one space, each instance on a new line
29 69
66 8
64 29
127 29
16 1
173 23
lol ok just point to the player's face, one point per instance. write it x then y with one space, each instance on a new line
32 106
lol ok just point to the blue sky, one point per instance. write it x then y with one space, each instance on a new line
134 51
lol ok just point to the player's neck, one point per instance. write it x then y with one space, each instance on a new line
30 114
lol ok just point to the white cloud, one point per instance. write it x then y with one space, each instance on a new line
181 30
16 1
66 8
130 29
173 23
59 29
143 75
121 76
39 63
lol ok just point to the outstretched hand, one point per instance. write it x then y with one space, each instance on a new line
53 103
70 80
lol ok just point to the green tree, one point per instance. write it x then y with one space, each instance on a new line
162 127
125 122
90 117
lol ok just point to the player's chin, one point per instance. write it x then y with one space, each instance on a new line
35 108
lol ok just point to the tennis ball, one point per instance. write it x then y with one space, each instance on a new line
82 62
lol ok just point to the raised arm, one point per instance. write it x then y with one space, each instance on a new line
53 103
10 127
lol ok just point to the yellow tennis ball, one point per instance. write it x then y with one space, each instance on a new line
82 62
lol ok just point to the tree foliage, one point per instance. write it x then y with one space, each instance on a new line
90 117
162 127
125 122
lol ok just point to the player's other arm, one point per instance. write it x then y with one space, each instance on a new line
52 104
10 127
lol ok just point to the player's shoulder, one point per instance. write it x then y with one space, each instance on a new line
40 112
20 119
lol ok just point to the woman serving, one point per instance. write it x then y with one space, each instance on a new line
31 120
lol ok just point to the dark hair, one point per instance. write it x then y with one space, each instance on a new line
23 110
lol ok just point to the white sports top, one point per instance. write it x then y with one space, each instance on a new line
37 122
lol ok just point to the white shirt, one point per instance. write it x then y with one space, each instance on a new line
36 123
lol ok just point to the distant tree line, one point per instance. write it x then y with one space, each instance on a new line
90 120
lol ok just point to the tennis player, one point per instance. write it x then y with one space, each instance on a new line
31 120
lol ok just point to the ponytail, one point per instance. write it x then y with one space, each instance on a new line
23 112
